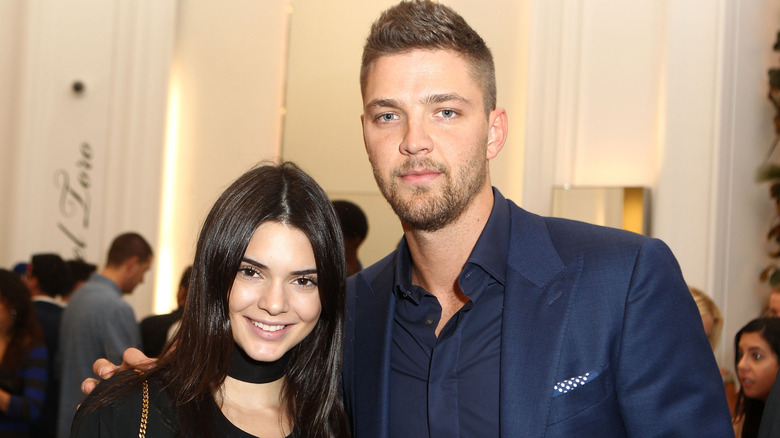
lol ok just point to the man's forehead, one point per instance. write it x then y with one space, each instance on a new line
418 74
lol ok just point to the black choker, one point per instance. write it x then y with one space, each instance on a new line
246 369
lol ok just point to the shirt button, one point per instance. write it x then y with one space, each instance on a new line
429 321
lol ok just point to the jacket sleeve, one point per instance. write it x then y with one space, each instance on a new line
667 380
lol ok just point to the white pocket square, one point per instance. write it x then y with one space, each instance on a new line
573 383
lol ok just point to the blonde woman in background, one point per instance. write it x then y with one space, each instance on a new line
712 320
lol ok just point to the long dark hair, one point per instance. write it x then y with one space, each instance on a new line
204 342
25 331
752 409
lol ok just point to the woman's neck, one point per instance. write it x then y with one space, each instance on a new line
255 408
251 395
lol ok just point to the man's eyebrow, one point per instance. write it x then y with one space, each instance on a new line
381 102
442 98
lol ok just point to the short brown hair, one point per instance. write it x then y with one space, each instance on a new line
427 25
128 245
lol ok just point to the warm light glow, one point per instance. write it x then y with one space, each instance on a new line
164 296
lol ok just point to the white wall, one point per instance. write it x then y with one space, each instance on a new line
668 95
10 53
84 166
228 79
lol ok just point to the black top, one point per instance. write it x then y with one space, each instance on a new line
123 418
154 331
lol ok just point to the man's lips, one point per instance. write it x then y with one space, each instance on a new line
419 176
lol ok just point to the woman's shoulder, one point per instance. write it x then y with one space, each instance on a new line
117 408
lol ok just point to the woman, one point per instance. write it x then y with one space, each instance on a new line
259 349
712 320
757 347
24 358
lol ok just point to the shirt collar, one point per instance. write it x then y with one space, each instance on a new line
489 253
491 248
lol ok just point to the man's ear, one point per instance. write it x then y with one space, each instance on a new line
497 132
363 130
130 263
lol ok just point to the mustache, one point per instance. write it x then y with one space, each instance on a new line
413 163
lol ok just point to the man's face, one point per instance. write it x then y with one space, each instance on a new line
135 275
427 135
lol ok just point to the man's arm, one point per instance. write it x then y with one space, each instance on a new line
668 382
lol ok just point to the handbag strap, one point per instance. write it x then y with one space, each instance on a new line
144 410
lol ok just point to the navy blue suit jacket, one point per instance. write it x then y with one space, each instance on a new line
579 299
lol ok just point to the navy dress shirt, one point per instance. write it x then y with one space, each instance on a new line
449 386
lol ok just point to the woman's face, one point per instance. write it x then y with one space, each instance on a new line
6 319
274 301
757 366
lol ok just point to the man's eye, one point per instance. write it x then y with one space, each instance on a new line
386 117
447 113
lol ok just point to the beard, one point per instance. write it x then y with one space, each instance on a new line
429 209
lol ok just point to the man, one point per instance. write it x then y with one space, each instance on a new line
47 277
354 227
488 320
98 323
157 329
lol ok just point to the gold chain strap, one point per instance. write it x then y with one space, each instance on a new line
144 410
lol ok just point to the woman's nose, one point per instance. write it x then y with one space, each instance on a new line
273 300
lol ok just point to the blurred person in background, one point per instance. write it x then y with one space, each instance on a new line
757 347
48 277
712 320
156 330
23 368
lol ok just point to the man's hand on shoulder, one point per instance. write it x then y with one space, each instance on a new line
104 369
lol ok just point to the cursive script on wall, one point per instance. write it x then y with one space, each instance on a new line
75 201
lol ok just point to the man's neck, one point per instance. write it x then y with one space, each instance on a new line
438 257
114 274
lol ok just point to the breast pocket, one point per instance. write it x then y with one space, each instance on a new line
577 394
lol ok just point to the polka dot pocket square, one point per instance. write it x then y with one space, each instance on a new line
573 383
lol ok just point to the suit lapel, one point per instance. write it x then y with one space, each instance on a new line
538 294
373 333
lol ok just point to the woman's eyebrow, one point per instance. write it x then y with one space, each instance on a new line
304 272
254 263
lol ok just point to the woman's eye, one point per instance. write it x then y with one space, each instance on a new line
247 271
757 356
305 282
